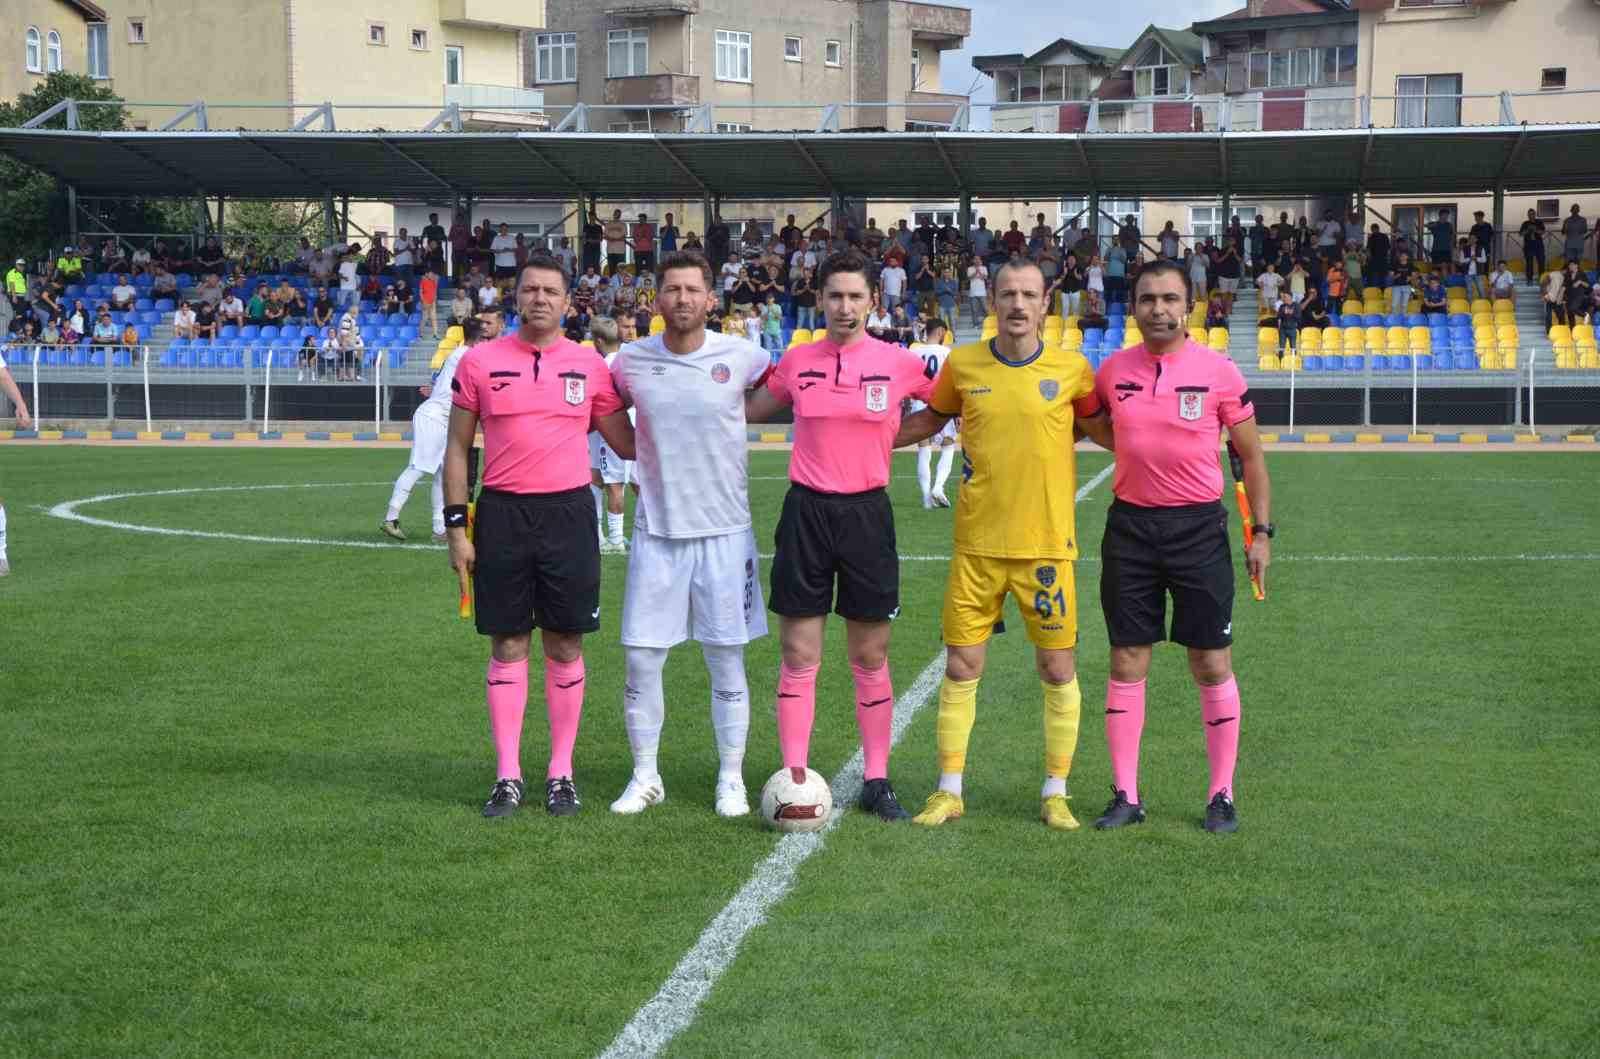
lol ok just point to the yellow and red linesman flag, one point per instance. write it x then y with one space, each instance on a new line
466 582
1236 464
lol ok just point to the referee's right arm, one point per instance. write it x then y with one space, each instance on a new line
463 427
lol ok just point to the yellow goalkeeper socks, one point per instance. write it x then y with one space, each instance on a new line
958 708
1061 708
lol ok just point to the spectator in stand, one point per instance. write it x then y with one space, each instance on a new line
977 290
405 257
293 302
50 333
1230 267
1355 268
1070 285
1337 282
772 327
405 297
251 262
790 234
322 310
923 282
947 291
322 265
751 240
1400 278
211 257
349 286
893 281
900 328
123 294
1502 284
1197 267
1269 283
1014 241
351 345
307 359
273 313
1259 236
605 297
1475 259
1434 299
616 236
131 341
390 304
461 306
69 266
1094 312
1352 230
1116 273
140 260
184 324
165 284
232 309
1330 236
461 246
331 353
1482 232
718 240
302 257
255 310
1217 310
433 231
873 238
751 318
482 249
880 323
504 246
489 295
1094 278
1288 323
804 296
1578 292
205 320
566 255
428 297
743 295
1574 235
1532 234
1169 242
17 287
624 295
72 325
1314 313
1442 235
1129 237
982 240
179 259
669 236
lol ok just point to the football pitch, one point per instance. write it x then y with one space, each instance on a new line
242 761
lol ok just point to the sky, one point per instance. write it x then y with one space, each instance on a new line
1004 26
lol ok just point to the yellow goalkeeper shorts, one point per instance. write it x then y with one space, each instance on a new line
977 589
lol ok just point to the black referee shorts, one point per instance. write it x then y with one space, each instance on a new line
1148 552
538 562
845 536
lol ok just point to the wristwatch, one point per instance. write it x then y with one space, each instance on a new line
1265 529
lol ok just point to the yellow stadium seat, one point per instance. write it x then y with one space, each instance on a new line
1291 362
1584 336
1267 337
1354 340
1481 303
587 342
1131 339
1489 361
1397 344
1507 333
1504 307
1268 361
1560 333
1566 358
1375 337
1351 306
1414 305
1508 358
1072 339
1221 333
1588 359
991 321
1310 339
1396 332
1069 323
800 337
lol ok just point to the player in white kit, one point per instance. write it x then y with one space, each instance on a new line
430 429
693 571
933 352
8 386
609 473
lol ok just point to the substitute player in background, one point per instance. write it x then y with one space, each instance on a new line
837 524
430 430
534 557
1170 398
8 386
693 571
610 473
1020 401
933 352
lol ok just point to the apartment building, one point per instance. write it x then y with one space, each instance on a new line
42 37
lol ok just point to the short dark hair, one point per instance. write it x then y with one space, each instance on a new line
685 259
1015 266
544 261
472 328
1158 267
844 261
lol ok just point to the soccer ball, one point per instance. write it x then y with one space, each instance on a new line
796 800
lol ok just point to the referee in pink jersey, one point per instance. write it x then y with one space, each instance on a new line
837 526
534 559
1170 398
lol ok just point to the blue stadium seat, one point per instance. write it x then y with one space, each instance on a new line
249 331
1380 362
187 357
228 331
268 331
1441 360
415 319
152 318
184 280
1395 320
75 290
258 358
1093 338
409 333
97 358
78 357
144 279
121 359
385 333
143 332
1351 320
1373 320
1400 362
206 358
397 319
1417 319
283 358
143 305
1311 362
178 343
233 359
1464 361
1461 320
165 305
397 358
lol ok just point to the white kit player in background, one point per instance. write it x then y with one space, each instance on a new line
430 430
8 386
608 472
933 352
693 570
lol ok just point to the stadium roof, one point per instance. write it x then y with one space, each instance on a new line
924 166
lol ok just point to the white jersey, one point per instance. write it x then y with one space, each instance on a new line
933 358
437 404
691 463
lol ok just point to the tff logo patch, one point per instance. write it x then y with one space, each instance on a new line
877 397
1190 406
721 373
574 389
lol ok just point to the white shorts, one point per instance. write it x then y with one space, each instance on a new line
429 435
946 435
1228 284
613 469
702 588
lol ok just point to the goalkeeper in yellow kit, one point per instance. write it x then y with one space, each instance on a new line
1020 403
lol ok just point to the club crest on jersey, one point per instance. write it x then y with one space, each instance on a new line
720 373
1191 405
574 390
1048 388
1046 575
877 397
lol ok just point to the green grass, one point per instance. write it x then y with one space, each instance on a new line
239 791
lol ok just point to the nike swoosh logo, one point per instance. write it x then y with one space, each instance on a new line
1109 710
1220 720
570 684
787 695
874 702
497 683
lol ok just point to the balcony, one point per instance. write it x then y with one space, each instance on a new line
651 8
493 14
677 90
498 106
939 26
938 108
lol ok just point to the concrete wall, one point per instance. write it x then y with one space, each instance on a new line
43 15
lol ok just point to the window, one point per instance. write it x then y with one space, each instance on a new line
376 34
833 53
1432 100
1553 77
733 55
99 51
52 53
1300 66
555 58
419 40
1278 70
733 126
1108 226
628 52
452 64
136 31
916 68
1159 73
32 54
1258 69
1210 222
1297 67
1547 209
628 126
793 49
1060 84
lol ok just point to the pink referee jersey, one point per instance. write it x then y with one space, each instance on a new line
536 407
846 410
1168 412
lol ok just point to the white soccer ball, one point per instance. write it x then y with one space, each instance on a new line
796 800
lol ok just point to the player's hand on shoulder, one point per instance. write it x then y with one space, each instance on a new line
426 389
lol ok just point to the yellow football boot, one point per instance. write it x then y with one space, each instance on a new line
940 807
1054 812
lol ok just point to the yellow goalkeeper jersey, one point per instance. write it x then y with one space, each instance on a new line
1019 473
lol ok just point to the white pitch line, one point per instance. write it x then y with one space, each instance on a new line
674 1006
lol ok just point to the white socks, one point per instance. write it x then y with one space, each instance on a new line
924 467
730 706
2 531
643 708
1053 785
437 496
614 526
402 492
947 457
950 781
599 507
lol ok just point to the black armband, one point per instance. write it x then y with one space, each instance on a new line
455 516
